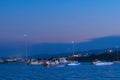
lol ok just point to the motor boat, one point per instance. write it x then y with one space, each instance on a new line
73 63
116 62
102 63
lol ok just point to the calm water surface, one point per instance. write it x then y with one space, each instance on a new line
85 71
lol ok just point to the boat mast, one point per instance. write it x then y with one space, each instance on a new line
73 47
117 52
26 47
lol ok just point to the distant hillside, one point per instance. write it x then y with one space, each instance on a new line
113 56
18 49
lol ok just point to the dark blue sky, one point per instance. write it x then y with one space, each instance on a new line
58 20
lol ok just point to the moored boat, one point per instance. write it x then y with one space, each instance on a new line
34 62
102 63
73 63
1 61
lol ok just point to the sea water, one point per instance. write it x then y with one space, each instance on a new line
85 71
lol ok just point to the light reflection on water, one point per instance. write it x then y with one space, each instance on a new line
85 71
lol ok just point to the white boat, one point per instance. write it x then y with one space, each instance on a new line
102 63
34 62
55 64
61 65
73 63
116 62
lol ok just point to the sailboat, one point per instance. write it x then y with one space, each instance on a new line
73 63
29 61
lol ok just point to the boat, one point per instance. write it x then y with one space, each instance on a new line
73 63
62 62
34 62
61 65
1 61
116 62
102 63
11 60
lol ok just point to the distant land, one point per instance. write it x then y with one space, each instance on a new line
54 49
106 56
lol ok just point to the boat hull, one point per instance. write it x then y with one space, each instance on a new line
102 63
74 64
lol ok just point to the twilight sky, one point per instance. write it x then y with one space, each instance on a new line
58 20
